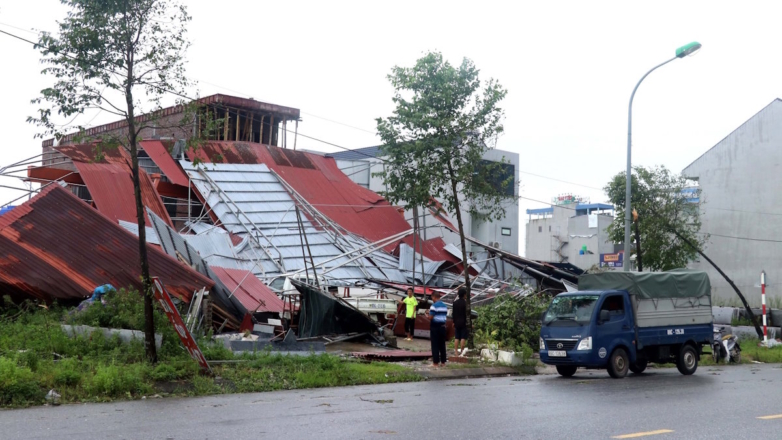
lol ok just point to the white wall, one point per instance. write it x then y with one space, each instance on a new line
739 179
485 231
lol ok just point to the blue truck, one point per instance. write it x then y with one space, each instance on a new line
621 321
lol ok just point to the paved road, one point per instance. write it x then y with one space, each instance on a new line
716 403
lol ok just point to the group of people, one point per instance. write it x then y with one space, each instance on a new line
437 316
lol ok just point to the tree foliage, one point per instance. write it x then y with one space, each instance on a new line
512 322
445 119
662 206
107 48
120 57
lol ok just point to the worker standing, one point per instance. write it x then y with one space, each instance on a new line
410 304
438 313
460 322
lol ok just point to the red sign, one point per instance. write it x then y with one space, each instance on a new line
173 315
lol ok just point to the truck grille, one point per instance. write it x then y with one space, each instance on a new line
553 344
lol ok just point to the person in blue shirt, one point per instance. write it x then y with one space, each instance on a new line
438 313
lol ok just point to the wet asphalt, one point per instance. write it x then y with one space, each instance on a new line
736 402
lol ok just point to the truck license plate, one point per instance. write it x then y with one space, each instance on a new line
557 353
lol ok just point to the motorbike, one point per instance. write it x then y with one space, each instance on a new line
725 347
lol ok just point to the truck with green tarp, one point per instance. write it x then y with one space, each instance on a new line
621 321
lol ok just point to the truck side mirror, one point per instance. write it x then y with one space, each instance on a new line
543 316
604 316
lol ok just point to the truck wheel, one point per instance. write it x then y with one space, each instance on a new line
618 363
688 360
639 366
566 370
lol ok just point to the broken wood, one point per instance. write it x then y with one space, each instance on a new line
238 123
260 137
225 124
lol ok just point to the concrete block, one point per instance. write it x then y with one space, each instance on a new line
724 315
489 355
509 358
124 335
748 332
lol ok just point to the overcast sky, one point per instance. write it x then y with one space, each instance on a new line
569 68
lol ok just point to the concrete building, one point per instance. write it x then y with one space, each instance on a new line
739 180
572 231
361 163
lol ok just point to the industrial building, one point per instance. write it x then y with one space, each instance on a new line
239 215
362 163
739 180
573 231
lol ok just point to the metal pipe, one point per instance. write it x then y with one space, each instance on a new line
628 177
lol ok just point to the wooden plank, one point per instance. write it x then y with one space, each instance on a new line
238 123
260 138
225 126
271 131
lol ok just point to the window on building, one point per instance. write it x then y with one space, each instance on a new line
505 232
503 180
549 228
540 228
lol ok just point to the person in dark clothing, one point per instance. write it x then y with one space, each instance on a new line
460 322
438 313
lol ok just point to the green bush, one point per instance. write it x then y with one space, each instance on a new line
512 322
17 384
118 381
67 375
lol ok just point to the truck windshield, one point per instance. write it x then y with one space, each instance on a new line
570 308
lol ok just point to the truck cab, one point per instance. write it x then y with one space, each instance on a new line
599 329
580 329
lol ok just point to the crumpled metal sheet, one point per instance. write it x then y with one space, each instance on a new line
55 246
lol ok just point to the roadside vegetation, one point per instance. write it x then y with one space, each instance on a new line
512 323
36 356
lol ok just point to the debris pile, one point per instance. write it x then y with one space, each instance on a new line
267 243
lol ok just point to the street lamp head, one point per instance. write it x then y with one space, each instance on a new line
688 49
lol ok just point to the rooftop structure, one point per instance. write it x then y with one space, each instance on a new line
573 233
360 164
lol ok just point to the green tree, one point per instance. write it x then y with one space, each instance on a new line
122 57
661 207
445 119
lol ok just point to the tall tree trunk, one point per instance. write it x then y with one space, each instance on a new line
454 184
146 283
638 252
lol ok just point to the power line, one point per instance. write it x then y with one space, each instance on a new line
559 180
707 207
181 95
740 238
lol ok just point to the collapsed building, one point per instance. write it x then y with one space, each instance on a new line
243 215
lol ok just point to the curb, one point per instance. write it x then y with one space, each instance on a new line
469 373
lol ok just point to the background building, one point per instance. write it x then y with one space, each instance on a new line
739 181
361 163
572 231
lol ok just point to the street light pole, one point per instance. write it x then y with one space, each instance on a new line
680 53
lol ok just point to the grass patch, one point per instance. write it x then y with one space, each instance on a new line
36 356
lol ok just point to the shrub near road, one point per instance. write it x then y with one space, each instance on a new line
513 323
37 356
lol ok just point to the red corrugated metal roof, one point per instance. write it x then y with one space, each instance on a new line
252 293
57 247
160 153
324 185
110 183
